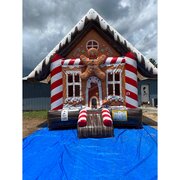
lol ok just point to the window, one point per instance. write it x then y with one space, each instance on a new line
113 82
92 44
73 84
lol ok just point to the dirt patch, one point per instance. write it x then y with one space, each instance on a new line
150 119
150 116
31 125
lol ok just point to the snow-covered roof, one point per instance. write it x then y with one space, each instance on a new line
41 71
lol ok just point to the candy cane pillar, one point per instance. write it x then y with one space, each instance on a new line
131 88
56 83
107 120
82 118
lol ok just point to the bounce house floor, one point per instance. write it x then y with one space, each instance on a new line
130 154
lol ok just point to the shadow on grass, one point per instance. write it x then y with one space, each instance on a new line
149 121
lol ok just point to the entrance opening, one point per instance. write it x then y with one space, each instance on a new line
93 96
94 103
93 92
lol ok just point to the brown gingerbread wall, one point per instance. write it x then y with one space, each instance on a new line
104 46
84 82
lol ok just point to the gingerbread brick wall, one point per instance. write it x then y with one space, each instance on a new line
104 46
104 88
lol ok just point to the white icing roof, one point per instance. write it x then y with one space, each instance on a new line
91 15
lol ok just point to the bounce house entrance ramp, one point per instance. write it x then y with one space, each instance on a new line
95 127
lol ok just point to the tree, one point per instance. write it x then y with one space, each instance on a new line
153 61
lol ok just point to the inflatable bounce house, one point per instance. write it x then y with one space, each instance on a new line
93 73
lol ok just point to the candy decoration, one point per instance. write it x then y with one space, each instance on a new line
131 88
92 64
56 83
107 120
108 61
82 118
72 62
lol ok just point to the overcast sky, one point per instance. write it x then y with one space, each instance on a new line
45 23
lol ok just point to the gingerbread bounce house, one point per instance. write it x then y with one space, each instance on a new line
93 74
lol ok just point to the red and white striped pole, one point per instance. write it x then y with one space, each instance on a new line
131 85
56 83
107 120
82 118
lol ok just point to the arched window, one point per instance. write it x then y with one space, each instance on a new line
92 44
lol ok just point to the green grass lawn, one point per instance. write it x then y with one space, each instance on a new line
35 115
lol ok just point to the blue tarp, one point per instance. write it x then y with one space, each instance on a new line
51 155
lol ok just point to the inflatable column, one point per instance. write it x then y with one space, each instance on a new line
56 83
82 119
131 87
107 120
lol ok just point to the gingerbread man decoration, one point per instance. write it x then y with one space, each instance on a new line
93 64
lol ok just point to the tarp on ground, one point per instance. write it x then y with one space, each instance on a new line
51 155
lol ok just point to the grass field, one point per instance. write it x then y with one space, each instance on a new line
35 114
